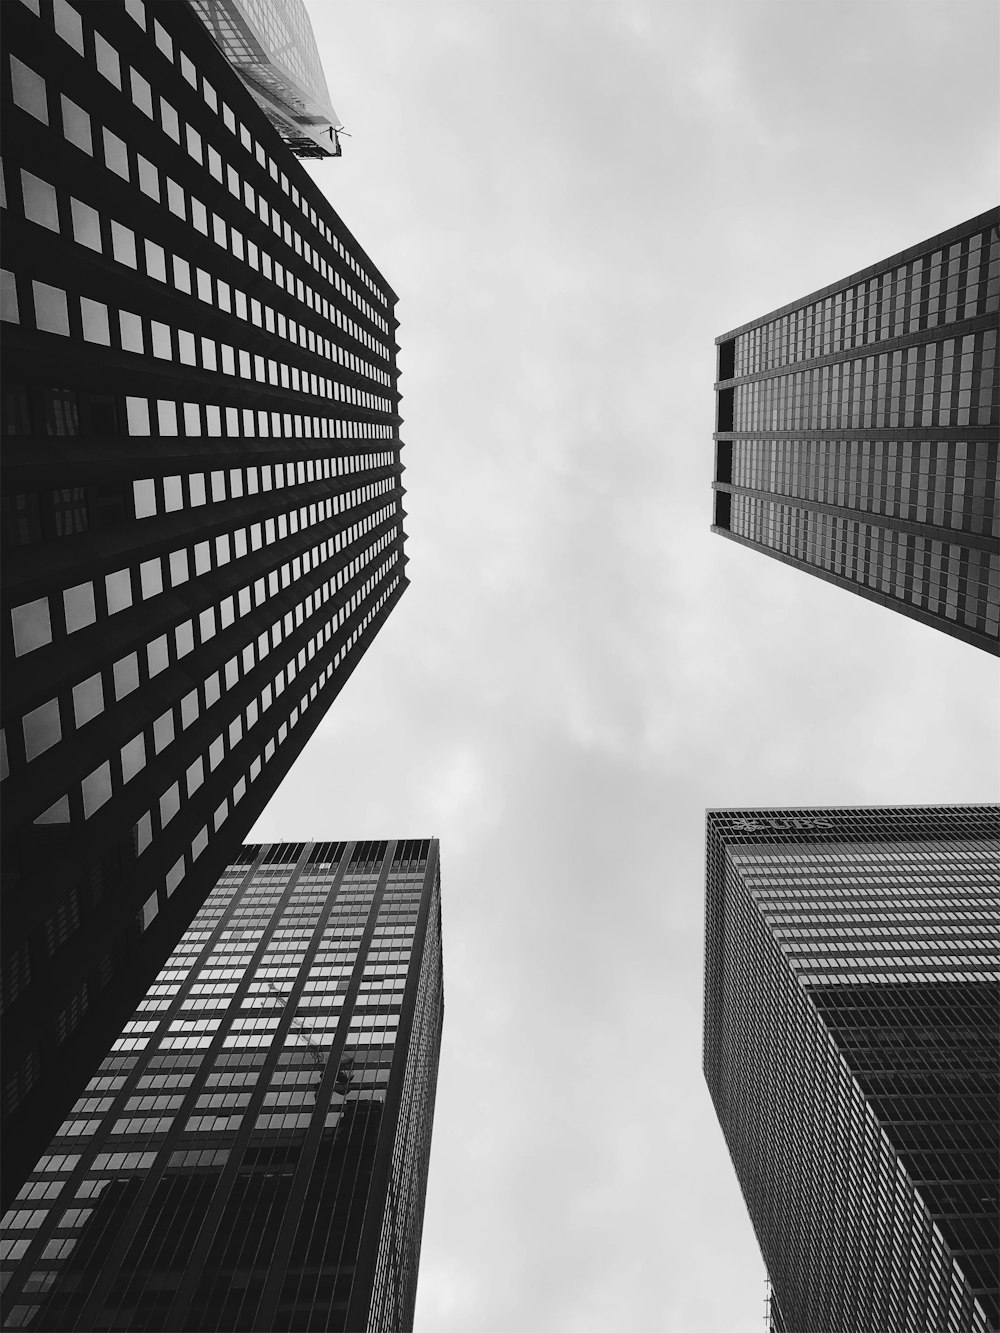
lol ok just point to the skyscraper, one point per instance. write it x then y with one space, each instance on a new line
202 505
856 433
270 43
253 1152
852 1053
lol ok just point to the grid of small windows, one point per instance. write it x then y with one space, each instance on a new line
949 383
850 1048
168 281
238 1076
957 281
947 579
948 483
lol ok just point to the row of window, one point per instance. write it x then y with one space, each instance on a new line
944 579
946 483
30 94
937 288
901 388
176 875
53 310
47 206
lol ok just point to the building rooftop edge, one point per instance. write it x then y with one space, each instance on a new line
946 237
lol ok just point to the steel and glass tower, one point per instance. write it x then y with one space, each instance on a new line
253 1152
202 505
856 433
852 1053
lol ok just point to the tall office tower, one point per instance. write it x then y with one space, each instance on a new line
270 43
253 1153
853 1056
202 505
856 433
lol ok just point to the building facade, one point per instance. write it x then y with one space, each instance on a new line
271 44
856 433
202 505
253 1152
852 1053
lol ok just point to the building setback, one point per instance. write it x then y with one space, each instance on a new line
856 433
202 506
853 1056
253 1152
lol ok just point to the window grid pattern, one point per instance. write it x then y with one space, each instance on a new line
227 1089
958 281
879 396
956 582
172 278
851 1052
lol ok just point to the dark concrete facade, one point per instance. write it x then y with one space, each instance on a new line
202 504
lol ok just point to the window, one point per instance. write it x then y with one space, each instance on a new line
131 334
39 201
141 93
149 177
86 225
96 789
115 154
51 314
95 321
157 657
126 675
133 757
161 340
107 60
169 121
76 126
41 729
67 24
156 261
118 588
163 731
29 90
9 309
123 244
88 699
78 603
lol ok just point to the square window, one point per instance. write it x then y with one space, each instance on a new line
51 314
186 348
118 590
96 789
163 731
131 335
39 201
161 340
142 94
67 24
126 675
9 307
96 328
86 225
108 63
175 200
116 154
76 126
144 496
42 729
169 121
151 578
78 603
29 90
157 655
149 177
138 416
133 756
88 699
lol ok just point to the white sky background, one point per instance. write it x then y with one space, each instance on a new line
572 200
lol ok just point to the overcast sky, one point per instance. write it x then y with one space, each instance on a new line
572 200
